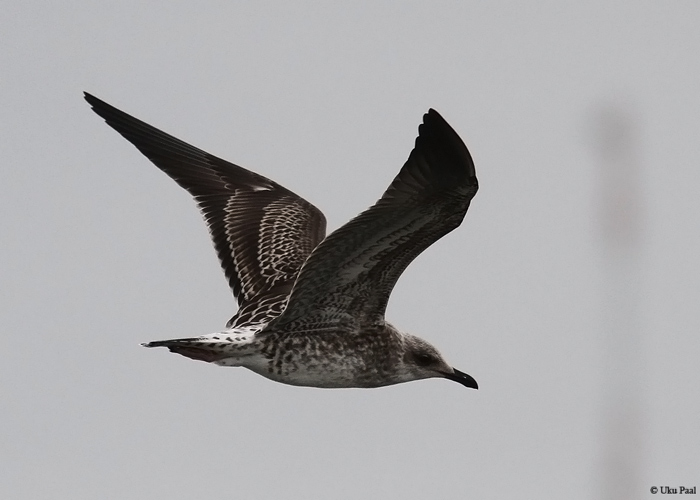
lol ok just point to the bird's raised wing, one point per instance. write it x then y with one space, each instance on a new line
350 275
262 232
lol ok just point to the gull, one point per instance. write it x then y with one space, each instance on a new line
310 306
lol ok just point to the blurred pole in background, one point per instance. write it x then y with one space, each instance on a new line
621 228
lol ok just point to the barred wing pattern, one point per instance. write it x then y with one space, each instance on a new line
348 278
262 232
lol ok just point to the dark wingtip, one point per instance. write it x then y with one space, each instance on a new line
441 145
91 99
432 112
102 108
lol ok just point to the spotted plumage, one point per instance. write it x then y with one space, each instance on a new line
311 308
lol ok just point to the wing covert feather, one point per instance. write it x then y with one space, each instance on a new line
262 232
350 275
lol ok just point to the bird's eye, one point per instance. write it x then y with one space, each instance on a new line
423 359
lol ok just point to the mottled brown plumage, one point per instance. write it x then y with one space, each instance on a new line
311 310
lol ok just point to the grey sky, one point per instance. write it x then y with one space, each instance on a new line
101 251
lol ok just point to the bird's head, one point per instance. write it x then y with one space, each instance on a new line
422 360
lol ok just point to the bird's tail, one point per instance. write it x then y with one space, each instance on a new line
193 348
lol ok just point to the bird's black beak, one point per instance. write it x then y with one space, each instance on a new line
462 378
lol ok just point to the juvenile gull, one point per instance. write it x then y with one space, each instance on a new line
311 309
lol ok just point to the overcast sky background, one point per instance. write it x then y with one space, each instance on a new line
101 251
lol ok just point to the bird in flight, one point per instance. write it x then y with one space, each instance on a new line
310 306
